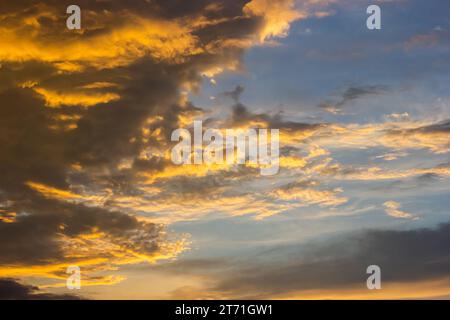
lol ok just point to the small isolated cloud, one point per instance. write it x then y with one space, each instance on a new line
393 209
427 40
234 94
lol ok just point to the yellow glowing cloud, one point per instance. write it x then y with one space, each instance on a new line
85 99
108 280
63 195
393 209
291 162
310 196
121 249
169 208
99 85
168 40
172 208
7 216
376 173
277 16
394 135
54 270
98 252
186 171
51 192
426 289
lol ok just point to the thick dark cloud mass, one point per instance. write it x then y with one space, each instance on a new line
13 290
86 118
440 127
336 264
402 256
34 151
34 148
71 113
50 218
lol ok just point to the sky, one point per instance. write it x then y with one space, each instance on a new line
86 177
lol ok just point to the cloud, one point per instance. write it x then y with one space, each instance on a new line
393 209
350 94
395 135
277 19
85 128
128 37
433 136
377 173
68 234
56 99
86 120
169 193
306 194
10 289
338 267
426 40
234 94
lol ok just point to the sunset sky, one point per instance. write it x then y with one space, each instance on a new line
86 176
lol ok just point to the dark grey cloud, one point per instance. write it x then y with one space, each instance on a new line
336 263
440 127
234 94
437 130
34 238
242 115
10 289
353 93
160 8
35 151
411 255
